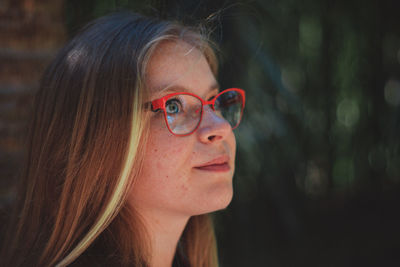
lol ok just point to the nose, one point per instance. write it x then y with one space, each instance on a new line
213 127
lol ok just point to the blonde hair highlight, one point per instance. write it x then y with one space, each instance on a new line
117 197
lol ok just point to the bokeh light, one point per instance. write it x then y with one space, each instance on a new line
392 92
348 112
310 36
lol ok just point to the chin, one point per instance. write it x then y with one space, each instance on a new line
217 198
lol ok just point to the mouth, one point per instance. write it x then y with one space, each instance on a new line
219 164
215 167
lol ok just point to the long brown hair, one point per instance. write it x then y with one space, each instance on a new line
85 149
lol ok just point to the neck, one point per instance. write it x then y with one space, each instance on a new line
165 231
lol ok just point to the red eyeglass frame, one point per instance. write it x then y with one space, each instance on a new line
158 104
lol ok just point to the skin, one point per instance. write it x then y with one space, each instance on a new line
170 190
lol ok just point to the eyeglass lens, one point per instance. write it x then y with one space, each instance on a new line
183 112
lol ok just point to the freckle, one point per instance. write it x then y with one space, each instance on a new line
184 188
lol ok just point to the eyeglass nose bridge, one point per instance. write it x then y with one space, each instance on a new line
206 103
209 103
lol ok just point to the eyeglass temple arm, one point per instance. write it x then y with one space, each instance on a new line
149 106
152 106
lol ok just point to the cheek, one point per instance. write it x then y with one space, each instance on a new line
166 161
164 156
166 151
231 143
162 143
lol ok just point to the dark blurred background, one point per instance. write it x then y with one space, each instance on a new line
318 166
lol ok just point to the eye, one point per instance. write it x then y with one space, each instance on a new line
227 99
173 106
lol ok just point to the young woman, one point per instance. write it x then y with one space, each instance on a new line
130 147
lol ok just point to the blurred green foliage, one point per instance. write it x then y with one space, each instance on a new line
318 166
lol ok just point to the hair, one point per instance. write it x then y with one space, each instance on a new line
85 150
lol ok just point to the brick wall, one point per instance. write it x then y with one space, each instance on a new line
31 32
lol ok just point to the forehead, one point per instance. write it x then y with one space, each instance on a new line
178 64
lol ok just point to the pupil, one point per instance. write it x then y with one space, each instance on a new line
172 107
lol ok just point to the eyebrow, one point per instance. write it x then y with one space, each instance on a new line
179 88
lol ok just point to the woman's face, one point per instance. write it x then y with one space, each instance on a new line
171 180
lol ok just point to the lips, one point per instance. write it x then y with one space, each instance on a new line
219 164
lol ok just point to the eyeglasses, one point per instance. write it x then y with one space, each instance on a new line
183 112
